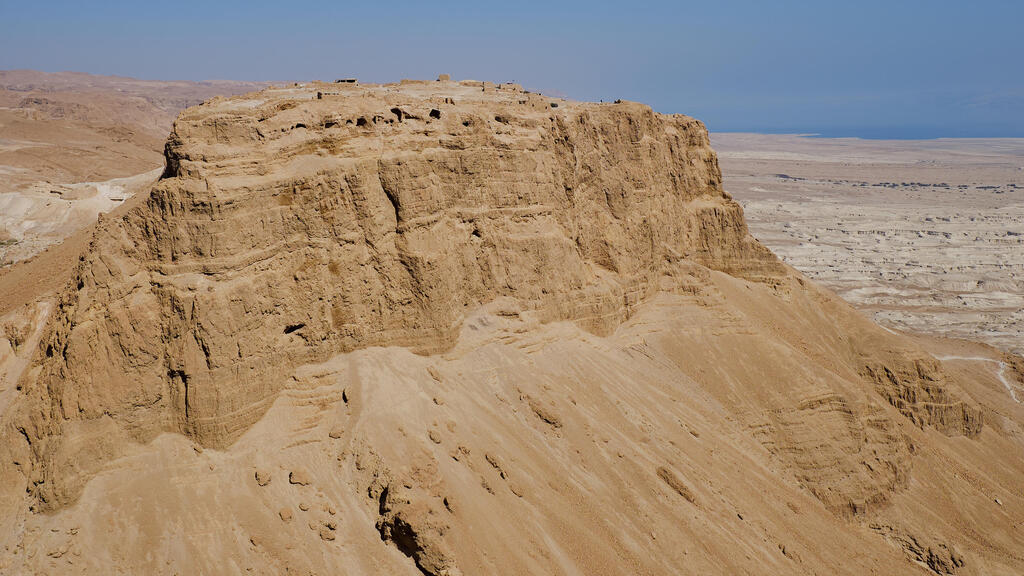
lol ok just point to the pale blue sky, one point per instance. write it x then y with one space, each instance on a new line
896 68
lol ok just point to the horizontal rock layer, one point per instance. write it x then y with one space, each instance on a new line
267 295
292 224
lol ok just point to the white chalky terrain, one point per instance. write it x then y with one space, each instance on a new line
925 236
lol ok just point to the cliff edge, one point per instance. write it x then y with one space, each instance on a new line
447 303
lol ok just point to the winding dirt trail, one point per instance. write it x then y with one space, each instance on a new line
1001 374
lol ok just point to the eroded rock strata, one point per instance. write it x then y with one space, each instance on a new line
288 229
582 298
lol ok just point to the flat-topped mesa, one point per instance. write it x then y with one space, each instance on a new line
293 224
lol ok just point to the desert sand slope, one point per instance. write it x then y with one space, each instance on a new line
456 328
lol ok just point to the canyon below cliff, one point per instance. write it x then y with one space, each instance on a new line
456 327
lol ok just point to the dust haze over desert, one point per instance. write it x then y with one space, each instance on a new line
570 290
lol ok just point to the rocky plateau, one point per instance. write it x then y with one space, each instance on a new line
460 328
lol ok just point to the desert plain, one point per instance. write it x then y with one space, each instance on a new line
926 236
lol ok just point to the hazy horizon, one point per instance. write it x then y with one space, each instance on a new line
872 70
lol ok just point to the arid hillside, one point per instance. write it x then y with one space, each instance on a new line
459 328
75 145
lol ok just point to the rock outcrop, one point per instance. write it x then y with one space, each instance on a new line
290 226
449 328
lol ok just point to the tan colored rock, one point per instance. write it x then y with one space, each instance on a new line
299 477
374 224
434 436
317 257
673 482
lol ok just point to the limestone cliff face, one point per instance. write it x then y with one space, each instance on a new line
294 224
353 294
